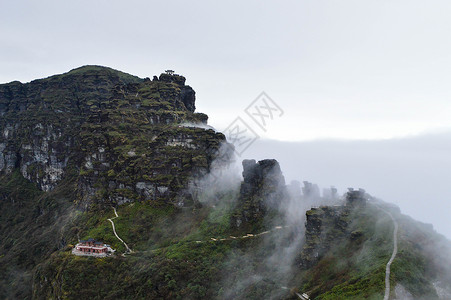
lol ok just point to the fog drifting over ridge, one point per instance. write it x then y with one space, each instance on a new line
347 69
412 173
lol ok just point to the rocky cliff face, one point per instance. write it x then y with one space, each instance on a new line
324 224
327 224
119 134
263 188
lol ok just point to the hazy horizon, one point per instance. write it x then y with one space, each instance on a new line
412 173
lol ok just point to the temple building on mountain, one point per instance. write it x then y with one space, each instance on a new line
91 247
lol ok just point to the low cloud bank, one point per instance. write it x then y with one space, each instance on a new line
413 173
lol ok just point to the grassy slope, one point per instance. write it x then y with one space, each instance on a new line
168 263
354 268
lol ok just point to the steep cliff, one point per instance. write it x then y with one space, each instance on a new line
122 134
262 189
326 224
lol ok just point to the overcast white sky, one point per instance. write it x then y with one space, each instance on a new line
339 69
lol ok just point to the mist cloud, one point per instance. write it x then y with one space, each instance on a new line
413 172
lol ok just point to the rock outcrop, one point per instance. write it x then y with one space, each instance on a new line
356 197
310 191
263 188
187 94
326 224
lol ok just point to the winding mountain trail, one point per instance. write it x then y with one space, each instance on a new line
115 233
229 238
249 235
395 251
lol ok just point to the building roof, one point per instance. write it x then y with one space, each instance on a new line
92 247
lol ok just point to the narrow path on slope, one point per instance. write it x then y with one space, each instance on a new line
249 235
115 233
395 251
229 238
